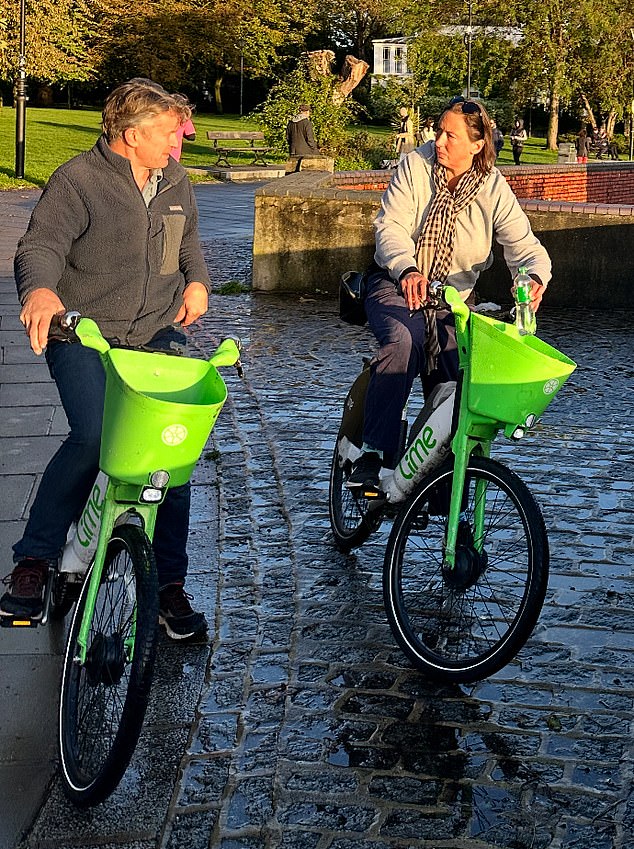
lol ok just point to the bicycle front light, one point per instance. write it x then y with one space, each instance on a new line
153 494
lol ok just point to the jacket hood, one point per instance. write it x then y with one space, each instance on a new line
301 116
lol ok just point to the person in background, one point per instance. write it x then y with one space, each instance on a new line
582 145
518 138
443 208
114 236
404 142
300 135
427 133
498 138
186 131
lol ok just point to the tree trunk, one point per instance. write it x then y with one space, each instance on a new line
609 124
553 121
218 94
590 119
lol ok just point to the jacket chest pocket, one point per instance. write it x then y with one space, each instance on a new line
173 229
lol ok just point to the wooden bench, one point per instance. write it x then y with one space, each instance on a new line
225 150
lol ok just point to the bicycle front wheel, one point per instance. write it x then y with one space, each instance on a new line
103 700
353 518
466 623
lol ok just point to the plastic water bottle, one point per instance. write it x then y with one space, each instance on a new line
525 320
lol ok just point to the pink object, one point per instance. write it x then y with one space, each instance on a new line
186 129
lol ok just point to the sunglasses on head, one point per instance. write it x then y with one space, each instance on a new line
469 107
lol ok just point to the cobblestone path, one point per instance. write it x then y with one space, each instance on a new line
324 736
302 725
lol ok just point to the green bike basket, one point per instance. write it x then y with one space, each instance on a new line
512 376
159 412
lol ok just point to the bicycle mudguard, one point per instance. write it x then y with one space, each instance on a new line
353 408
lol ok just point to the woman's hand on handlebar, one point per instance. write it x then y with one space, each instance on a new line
414 289
39 307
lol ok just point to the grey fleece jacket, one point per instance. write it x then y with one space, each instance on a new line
494 214
93 240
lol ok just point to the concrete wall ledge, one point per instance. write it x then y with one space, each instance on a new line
312 226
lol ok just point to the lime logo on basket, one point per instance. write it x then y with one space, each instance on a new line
174 434
551 386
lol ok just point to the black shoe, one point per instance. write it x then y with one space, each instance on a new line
25 597
365 472
176 614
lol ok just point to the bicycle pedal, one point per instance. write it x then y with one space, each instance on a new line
19 622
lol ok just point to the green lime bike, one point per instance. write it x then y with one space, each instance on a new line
465 571
159 411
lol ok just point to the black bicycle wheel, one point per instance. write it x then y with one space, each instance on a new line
465 624
352 516
103 700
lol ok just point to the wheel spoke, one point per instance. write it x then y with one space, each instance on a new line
98 731
456 621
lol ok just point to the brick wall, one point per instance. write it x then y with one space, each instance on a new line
604 183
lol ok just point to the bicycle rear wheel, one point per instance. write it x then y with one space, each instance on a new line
353 518
103 700
465 624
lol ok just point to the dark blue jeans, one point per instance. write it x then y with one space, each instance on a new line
401 358
69 476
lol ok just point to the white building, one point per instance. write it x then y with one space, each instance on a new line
390 59
390 54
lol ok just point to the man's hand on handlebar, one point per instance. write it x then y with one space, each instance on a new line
414 289
39 307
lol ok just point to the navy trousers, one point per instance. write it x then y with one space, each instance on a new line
400 359
69 476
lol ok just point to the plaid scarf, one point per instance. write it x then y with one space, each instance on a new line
434 249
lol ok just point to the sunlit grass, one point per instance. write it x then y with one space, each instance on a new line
55 135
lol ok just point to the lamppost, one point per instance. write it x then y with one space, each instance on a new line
632 106
20 97
468 39
241 76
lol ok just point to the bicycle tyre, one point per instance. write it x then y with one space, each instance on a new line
103 702
465 625
351 519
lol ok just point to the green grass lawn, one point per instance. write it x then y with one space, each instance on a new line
54 135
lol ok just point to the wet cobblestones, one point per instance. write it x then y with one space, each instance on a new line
305 727
358 750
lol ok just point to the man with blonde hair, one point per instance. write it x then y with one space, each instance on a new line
115 237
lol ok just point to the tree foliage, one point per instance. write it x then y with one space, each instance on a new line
58 39
328 119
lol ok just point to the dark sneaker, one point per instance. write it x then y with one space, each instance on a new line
365 472
176 614
25 597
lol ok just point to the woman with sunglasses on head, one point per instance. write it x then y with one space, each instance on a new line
439 215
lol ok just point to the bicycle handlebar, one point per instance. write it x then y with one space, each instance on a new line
88 332
440 293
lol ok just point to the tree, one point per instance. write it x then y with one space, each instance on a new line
329 115
181 43
351 26
59 36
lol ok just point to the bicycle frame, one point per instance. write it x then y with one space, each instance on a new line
122 497
471 436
